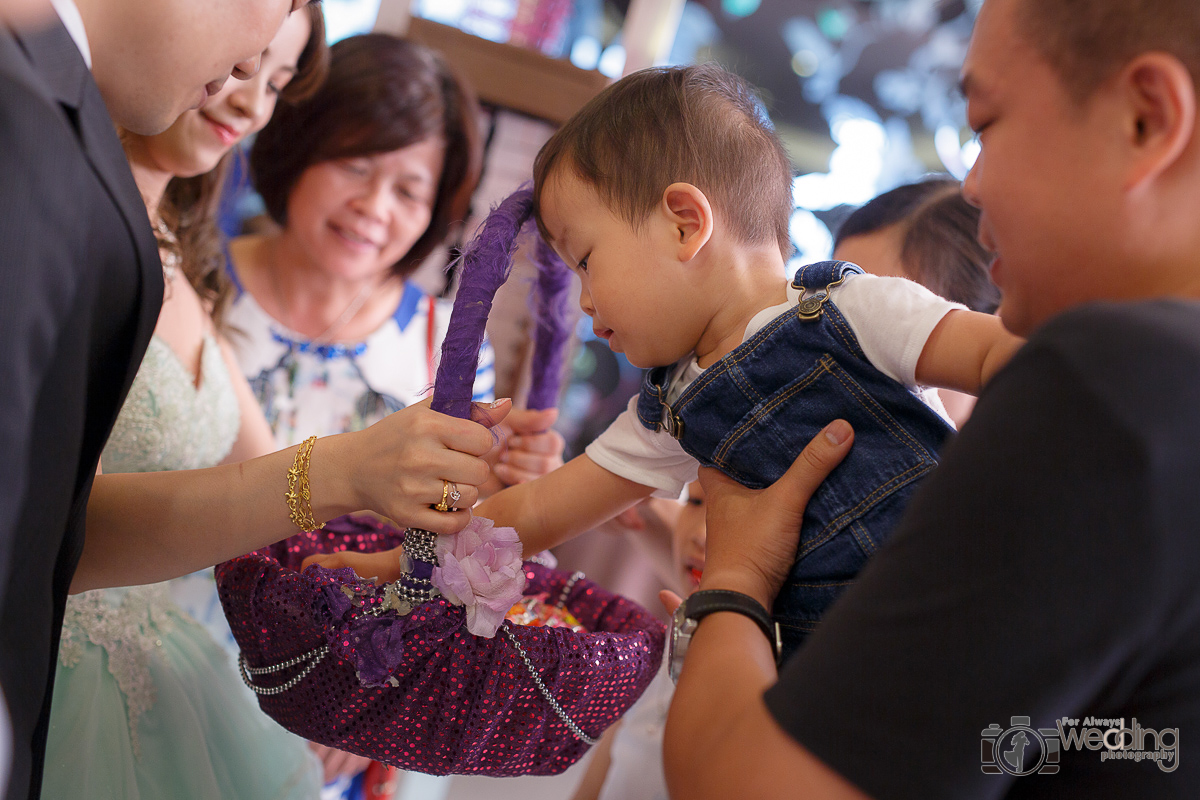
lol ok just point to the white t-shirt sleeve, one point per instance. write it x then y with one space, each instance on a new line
892 319
633 451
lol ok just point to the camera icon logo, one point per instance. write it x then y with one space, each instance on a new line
1020 750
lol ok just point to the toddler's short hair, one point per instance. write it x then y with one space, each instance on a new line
698 124
1088 41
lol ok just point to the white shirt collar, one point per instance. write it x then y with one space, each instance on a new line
68 12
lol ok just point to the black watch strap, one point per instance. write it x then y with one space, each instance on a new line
708 601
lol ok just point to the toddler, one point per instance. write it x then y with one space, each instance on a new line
670 195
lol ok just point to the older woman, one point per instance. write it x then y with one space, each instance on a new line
365 179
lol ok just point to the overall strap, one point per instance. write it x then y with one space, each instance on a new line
820 277
652 409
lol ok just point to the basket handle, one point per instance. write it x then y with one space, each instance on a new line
487 263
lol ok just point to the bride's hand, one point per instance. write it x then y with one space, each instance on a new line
400 466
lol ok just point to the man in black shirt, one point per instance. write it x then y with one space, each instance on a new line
1033 627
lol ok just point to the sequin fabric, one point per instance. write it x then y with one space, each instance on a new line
456 703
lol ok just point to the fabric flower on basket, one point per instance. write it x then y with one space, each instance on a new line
479 568
373 641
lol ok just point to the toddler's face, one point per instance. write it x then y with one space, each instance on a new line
630 282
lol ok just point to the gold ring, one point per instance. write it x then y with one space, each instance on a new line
448 494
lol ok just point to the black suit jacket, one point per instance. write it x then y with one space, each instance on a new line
80 291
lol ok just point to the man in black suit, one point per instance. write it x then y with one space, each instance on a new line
80 284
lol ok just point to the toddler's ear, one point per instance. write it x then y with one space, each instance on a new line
690 213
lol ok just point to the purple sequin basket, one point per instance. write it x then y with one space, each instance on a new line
332 662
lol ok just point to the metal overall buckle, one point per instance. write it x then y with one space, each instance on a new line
671 422
810 308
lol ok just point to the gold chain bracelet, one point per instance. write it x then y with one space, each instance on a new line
298 495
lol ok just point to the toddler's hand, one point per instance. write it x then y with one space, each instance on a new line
382 567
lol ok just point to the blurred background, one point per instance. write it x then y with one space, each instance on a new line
863 92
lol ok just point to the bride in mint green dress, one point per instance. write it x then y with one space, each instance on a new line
147 705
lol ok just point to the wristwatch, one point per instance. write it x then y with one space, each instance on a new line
687 618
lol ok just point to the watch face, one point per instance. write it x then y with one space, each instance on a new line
681 635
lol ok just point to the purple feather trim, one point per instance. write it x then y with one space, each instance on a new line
553 314
486 265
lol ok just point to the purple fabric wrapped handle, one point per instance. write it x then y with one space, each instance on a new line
553 313
487 263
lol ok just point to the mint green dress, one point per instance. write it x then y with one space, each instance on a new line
147 706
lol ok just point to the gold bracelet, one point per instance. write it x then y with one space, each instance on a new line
298 495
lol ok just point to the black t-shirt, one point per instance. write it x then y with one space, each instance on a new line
1049 569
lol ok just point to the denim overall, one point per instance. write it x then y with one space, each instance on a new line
750 414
